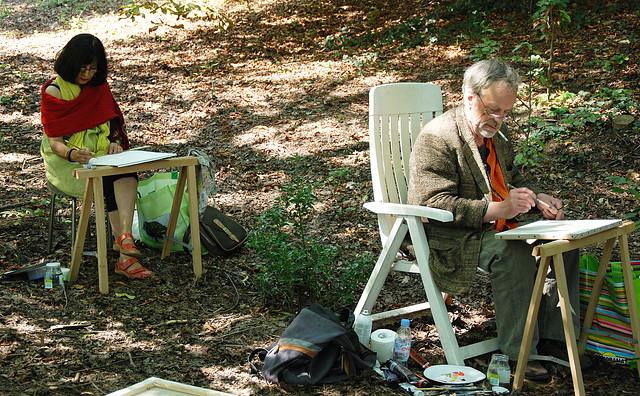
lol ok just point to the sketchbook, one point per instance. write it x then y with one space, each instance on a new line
559 229
129 157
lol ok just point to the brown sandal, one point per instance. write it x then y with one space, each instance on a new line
138 273
128 249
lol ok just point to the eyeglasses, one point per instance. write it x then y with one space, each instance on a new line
494 116
88 69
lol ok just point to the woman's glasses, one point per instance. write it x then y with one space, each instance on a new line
88 69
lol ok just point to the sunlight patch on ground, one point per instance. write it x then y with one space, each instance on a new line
108 27
223 324
16 158
255 135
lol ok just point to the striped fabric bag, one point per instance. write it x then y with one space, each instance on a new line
612 313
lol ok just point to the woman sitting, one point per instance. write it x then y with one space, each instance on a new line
82 120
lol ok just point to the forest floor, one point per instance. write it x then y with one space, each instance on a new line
285 78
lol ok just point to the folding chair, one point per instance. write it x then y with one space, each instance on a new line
397 113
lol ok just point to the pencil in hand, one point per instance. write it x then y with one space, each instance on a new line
538 200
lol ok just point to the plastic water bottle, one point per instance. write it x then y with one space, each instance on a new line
402 347
362 327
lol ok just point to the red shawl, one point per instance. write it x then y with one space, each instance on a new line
94 106
499 186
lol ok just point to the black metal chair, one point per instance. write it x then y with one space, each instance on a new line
56 192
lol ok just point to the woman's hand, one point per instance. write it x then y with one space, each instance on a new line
114 148
81 156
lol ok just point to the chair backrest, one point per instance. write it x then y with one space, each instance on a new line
397 113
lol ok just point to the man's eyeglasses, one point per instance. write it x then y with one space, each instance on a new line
494 116
88 69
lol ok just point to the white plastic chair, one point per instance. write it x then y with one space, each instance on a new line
397 113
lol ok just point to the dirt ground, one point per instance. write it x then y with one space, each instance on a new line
251 97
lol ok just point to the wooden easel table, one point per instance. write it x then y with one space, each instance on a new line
554 250
94 192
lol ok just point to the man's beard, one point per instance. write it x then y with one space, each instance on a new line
486 133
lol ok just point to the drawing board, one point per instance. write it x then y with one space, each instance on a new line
559 229
129 157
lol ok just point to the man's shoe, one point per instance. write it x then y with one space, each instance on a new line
535 372
558 350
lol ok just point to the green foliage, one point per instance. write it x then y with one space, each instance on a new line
609 64
629 184
411 33
570 113
5 13
296 267
550 18
207 9
178 8
550 14
530 151
362 60
487 47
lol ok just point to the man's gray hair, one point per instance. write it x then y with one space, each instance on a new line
482 74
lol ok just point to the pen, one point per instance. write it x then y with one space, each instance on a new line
535 199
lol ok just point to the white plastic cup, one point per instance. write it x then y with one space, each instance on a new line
65 274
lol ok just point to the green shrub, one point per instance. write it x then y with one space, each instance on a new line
295 268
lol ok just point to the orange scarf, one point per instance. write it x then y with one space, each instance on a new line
499 186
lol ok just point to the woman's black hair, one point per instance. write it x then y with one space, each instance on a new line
83 49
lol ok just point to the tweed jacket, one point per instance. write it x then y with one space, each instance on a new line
446 172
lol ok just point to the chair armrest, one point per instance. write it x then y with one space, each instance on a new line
409 210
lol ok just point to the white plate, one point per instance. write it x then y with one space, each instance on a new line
449 374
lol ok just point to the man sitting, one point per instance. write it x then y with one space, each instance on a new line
463 162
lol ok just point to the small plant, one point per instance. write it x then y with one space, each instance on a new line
485 49
530 152
296 267
617 59
336 176
550 18
488 47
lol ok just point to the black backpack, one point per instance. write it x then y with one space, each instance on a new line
318 347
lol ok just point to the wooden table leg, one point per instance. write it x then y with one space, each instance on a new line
567 321
186 176
81 233
194 220
103 267
175 211
530 326
629 288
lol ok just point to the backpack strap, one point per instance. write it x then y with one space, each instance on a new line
261 353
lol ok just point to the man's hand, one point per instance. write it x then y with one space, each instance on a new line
114 148
554 210
519 200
